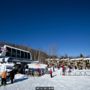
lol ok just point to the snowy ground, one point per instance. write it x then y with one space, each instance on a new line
58 82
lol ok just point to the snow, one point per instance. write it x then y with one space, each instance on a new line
59 82
20 76
9 66
6 59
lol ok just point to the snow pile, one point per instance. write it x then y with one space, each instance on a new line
20 76
81 73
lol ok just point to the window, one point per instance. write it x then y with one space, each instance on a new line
22 54
0 49
8 53
28 55
18 54
13 52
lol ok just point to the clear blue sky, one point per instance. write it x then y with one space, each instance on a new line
64 24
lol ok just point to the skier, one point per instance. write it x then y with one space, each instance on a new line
3 73
69 69
53 68
63 69
50 73
12 74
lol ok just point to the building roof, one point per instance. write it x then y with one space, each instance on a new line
37 66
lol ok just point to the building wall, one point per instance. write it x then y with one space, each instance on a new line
80 63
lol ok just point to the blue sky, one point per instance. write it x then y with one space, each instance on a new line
43 24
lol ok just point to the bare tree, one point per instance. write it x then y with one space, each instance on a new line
53 49
81 55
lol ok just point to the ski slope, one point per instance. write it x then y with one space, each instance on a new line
59 82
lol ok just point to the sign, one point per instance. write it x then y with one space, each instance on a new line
44 88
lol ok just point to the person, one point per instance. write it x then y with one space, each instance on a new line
12 74
58 66
3 73
39 71
50 73
69 69
33 72
63 70
26 70
53 68
75 67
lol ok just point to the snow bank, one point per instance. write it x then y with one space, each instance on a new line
20 76
81 73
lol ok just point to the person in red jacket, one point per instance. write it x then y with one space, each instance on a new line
63 69
50 73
